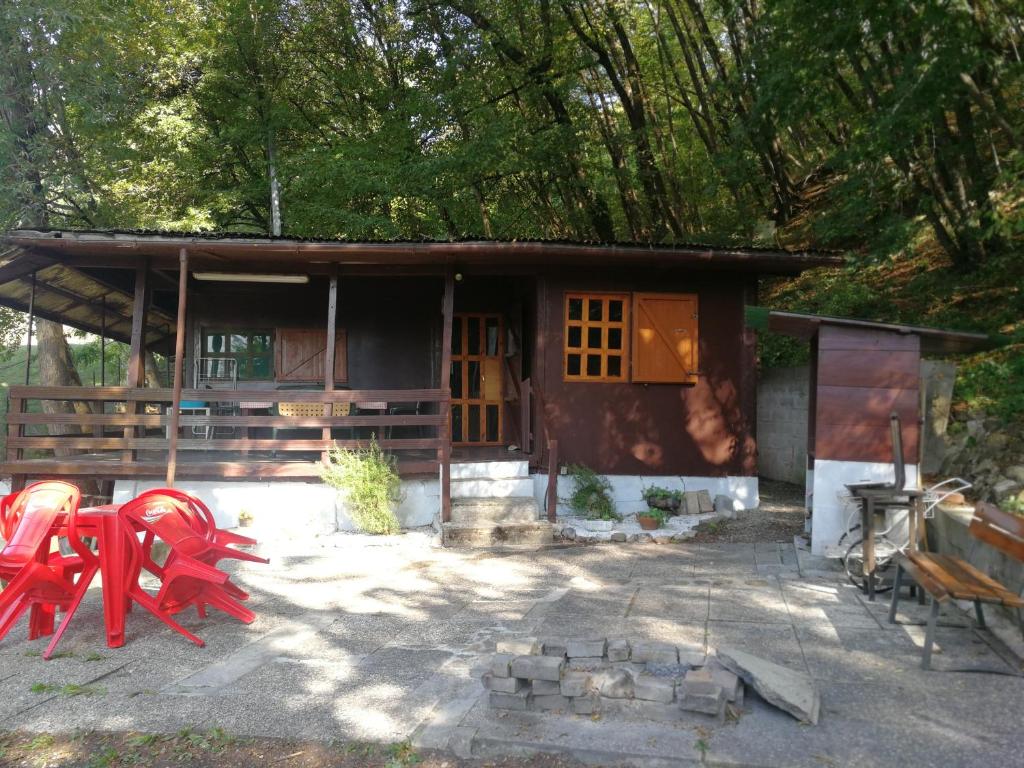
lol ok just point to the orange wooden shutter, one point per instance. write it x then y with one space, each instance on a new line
665 338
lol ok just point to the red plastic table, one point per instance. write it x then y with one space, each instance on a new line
105 526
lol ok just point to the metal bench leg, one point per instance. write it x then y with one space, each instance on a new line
980 615
897 583
929 635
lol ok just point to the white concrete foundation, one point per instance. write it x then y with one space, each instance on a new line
831 505
627 490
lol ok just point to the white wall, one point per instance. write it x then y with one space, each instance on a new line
627 490
830 511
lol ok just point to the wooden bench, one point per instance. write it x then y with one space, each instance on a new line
946 578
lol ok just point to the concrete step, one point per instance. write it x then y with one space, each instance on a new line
490 470
515 536
488 512
491 488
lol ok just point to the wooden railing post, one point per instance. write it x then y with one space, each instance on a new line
445 450
137 345
15 405
179 354
332 334
552 494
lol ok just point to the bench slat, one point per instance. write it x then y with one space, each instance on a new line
961 581
929 584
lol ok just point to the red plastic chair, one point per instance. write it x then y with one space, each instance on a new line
186 577
39 579
202 521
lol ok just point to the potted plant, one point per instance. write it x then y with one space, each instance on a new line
664 499
591 498
652 519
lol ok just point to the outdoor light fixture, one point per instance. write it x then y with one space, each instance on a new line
458 277
247 277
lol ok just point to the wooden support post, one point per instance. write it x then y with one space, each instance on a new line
136 363
445 451
103 341
332 333
552 494
31 322
179 355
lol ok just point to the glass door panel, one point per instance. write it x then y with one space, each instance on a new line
476 379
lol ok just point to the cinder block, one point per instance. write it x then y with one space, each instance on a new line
575 684
659 653
545 687
586 705
515 701
729 682
586 648
554 649
650 688
710 702
538 667
614 683
522 646
503 684
618 650
501 664
552 702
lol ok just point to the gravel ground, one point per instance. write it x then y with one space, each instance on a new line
779 518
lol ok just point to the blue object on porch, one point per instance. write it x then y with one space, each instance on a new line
193 404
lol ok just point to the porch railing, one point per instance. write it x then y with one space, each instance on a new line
123 432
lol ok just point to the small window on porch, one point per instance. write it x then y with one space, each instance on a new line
596 337
252 351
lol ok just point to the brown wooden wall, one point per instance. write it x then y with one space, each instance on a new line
700 429
863 376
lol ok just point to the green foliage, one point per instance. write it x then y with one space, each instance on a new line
591 494
994 383
659 515
369 481
657 492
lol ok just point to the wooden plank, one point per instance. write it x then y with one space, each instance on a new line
988 588
329 361
665 338
934 588
179 355
866 405
852 368
15 407
137 340
225 444
160 420
852 442
832 337
215 469
444 452
999 529
157 395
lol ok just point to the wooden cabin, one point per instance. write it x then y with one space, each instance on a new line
631 359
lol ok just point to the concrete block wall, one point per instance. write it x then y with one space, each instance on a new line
783 400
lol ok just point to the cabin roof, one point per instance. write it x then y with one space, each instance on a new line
939 341
292 251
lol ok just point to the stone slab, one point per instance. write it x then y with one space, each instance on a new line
614 683
586 648
545 687
501 664
787 689
642 652
552 702
520 646
503 684
650 688
514 701
575 683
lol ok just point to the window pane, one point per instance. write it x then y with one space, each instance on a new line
595 309
261 367
575 336
614 365
215 343
473 424
456 379
593 365
614 338
473 336
457 423
474 380
456 335
492 424
259 342
594 338
572 366
491 335
239 342
575 309
615 310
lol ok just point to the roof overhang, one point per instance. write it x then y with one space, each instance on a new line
935 341
240 251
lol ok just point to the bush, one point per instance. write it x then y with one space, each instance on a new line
591 494
369 480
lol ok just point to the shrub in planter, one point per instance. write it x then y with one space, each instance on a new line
591 494
662 498
652 519
369 480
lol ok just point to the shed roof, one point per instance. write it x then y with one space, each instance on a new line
937 341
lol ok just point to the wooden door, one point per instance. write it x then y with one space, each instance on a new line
478 346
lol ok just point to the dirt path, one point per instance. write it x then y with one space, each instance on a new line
779 518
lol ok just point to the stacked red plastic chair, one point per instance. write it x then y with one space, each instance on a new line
37 578
202 521
186 577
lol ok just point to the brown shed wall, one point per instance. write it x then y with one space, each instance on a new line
703 429
863 376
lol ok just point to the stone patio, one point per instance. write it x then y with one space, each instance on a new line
386 639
